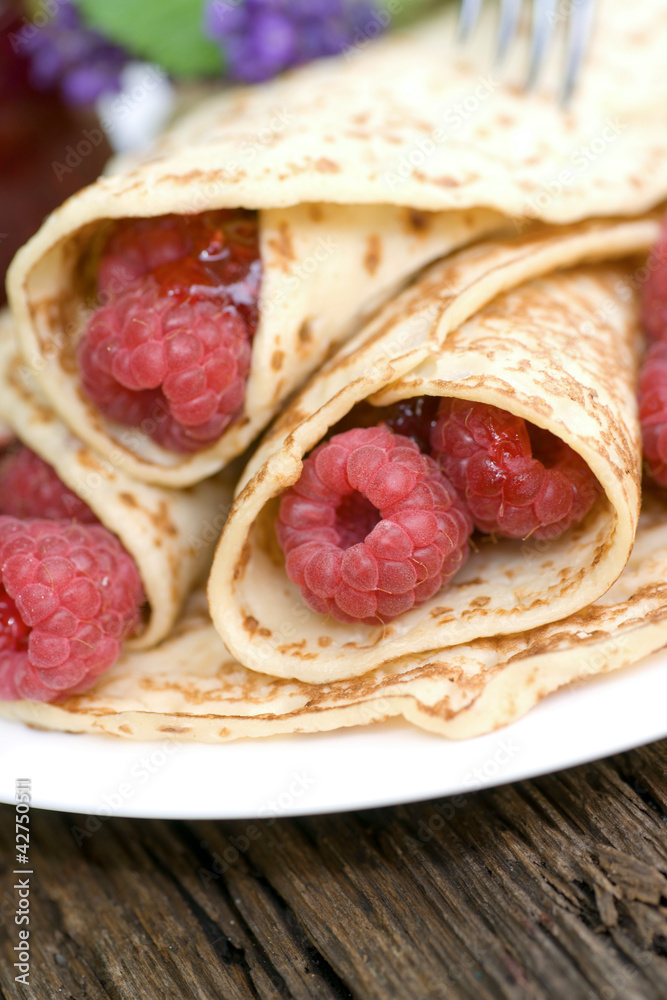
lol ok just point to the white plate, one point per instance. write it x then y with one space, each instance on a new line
349 769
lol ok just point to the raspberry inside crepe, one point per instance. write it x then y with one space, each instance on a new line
69 593
372 528
379 522
169 349
533 424
518 480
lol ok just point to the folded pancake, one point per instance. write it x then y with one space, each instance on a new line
528 326
170 534
361 170
190 688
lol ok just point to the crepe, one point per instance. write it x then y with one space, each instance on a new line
346 161
522 324
190 688
170 534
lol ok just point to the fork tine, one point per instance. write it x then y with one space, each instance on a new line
578 36
509 19
468 18
544 17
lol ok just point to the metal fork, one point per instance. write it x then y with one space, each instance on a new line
545 15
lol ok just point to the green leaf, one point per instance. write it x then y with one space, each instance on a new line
404 13
167 32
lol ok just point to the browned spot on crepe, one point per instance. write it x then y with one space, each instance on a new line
162 520
373 253
305 333
326 166
277 360
419 221
87 459
282 246
250 624
239 569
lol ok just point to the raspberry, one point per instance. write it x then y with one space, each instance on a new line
653 410
69 596
170 350
517 479
372 528
654 292
29 487
176 367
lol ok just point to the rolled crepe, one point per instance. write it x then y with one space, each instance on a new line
170 534
190 688
346 162
524 325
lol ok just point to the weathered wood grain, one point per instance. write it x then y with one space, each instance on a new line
552 889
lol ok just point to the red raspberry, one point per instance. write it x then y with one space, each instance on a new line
654 292
69 596
372 528
29 487
170 351
653 410
175 366
517 479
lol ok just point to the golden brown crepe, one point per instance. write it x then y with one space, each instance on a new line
522 324
346 162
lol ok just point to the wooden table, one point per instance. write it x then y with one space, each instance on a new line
554 888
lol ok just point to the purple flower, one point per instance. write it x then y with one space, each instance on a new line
64 53
260 38
222 19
